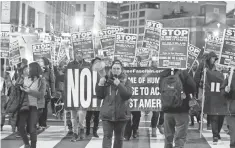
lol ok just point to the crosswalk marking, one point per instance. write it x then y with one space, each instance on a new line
156 141
6 131
50 137
97 142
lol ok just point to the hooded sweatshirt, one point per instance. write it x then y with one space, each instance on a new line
207 64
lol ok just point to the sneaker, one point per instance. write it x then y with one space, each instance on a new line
1 127
192 124
219 137
126 138
95 135
74 138
135 134
27 146
154 132
18 135
161 129
215 141
82 134
70 132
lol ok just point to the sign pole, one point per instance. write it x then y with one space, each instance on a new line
203 100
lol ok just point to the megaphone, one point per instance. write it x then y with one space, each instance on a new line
99 66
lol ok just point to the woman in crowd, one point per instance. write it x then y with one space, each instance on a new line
48 74
114 113
32 96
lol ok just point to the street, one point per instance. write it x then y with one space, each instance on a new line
55 137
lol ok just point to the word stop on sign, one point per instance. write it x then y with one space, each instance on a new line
80 92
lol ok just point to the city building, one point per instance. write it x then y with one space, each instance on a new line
113 14
199 16
90 15
38 14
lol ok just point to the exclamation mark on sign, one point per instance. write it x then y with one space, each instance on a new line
94 102
212 87
217 87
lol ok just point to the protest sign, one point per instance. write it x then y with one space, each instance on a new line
81 83
213 43
227 53
15 57
58 41
5 44
173 52
125 47
193 53
107 37
83 42
152 32
41 50
215 103
143 55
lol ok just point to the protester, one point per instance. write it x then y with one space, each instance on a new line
229 93
34 89
114 113
79 62
157 119
132 125
198 78
175 105
192 113
5 96
48 74
90 113
216 120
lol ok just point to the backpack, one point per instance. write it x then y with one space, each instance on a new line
171 89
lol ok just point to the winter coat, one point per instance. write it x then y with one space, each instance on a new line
115 100
230 97
38 94
205 63
189 87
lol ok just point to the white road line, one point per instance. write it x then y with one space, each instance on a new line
97 142
7 131
156 141
50 137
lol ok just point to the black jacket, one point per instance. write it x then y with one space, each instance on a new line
115 104
189 87
229 96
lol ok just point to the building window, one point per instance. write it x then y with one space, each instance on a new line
31 17
140 38
78 7
23 14
131 7
131 15
124 8
203 10
125 30
216 10
149 5
141 22
84 7
134 7
142 14
125 23
141 30
125 16
135 30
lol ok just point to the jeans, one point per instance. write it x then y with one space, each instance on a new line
96 120
68 120
175 124
78 119
43 117
28 118
216 124
230 123
118 127
135 123
157 119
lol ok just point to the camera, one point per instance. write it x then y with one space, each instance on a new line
109 80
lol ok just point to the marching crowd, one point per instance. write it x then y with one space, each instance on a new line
25 97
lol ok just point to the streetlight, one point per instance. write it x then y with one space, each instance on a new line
216 33
79 22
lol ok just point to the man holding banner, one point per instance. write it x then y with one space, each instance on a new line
79 62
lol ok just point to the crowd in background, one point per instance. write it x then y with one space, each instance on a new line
26 95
